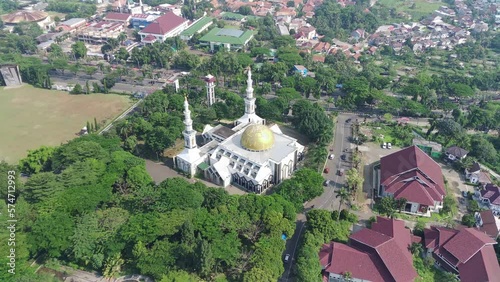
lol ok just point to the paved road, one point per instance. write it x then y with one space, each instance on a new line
327 200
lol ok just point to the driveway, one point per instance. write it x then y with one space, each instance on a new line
327 200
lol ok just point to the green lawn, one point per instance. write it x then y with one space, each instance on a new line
32 117
422 7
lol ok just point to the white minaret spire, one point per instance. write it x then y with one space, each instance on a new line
189 133
249 99
210 81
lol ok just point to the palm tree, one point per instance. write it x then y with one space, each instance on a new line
344 195
416 248
112 266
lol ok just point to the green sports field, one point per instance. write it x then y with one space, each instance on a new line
31 117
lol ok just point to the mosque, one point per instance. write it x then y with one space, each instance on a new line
249 155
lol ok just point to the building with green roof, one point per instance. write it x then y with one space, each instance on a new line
228 38
197 26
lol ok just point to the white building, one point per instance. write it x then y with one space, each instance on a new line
166 26
250 155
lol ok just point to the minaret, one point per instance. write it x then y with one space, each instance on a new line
189 133
249 99
142 7
210 80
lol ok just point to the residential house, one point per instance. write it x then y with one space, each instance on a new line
467 253
307 32
455 153
358 34
166 26
300 69
379 254
411 174
475 176
487 222
490 195
287 14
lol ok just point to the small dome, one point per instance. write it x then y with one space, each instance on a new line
257 137
24 16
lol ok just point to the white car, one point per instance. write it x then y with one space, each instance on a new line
384 146
287 258
389 145
331 156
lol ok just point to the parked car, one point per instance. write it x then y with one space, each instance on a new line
340 172
331 156
326 183
343 157
287 258
326 170
348 120
389 145
384 146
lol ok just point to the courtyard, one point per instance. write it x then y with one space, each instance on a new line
34 117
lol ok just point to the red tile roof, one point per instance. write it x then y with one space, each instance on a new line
385 244
469 250
483 266
491 192
489 225
413 175
339 258
467 243
164 24
117 17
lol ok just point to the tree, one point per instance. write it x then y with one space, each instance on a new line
416 248
469 220
206 259
159 139
387 206
112 266
79 50
450 129
344 196
77 89
245 10
37 160
401 203
388 117
53 239
483 149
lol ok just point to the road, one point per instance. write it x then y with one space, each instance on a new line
327 200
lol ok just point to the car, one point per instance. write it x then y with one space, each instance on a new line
326 183
348 120
331 156
326 170
287 258
340 172
384 146
343 157
389 145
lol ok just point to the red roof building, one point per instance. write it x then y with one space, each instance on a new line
118 17
413 175
487 222
490 195
168 25
467 252
377 254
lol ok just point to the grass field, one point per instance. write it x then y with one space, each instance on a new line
422 7
31 117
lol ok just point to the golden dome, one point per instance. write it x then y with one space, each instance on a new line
257 137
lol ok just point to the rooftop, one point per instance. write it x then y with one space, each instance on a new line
164 24
412 174
196 26
227 35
